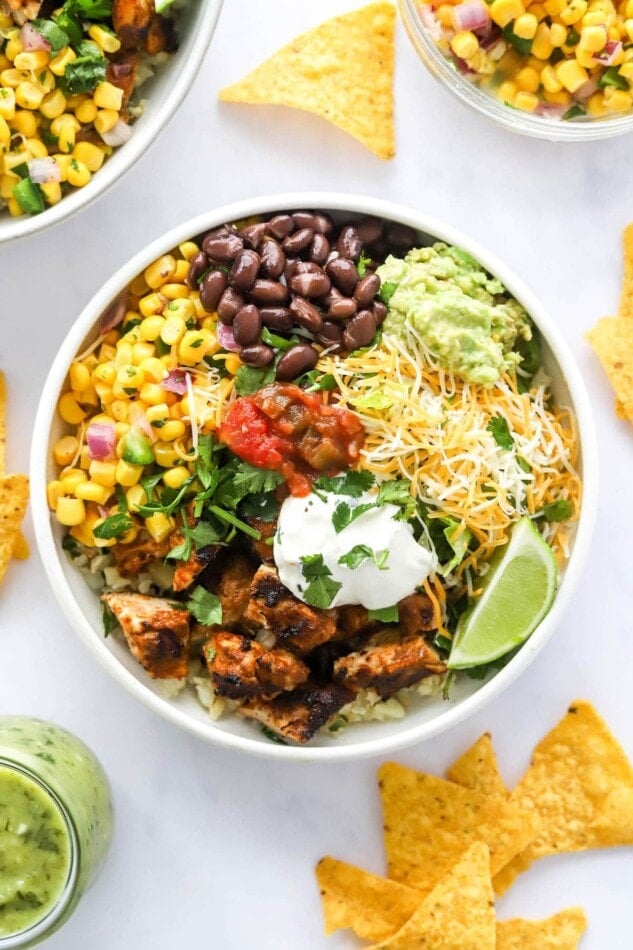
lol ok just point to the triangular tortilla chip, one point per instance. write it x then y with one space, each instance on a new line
341 70
428 823
478 768
612 339
14 495
580 783
562 931
373 907
458 914
626 297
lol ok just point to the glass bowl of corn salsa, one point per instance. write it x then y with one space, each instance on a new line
554 69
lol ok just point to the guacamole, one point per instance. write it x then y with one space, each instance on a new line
466 318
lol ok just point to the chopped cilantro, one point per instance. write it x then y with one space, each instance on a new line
276 341
344 514
248 379
500 431
559 510
113 527
316 381
386 292
110 622
361 553
252 480
363 262
85 72
397 491
353 483
321 589
52 33
205 607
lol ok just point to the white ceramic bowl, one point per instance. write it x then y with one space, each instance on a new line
82 606
164 92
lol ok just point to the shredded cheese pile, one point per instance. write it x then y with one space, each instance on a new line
426 425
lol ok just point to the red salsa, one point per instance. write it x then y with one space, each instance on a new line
284 428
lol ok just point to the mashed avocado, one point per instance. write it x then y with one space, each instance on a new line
465 317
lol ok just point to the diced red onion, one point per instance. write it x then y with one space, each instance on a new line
44 170
226 338
586 90
114 314
103 511
471 15
139 420
175 382
32 39
118 134
610 53
429 21
550 110
101 441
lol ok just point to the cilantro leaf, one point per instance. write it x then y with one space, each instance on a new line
182 551
385 614
91 9
249 380
316 381
344 514
321 589
110 622
397 491
86 71
386 292
559 510
52 33
203 535
113 527
500 431
205 607
361 553
353 483
276 341
251 480
361 267
459 543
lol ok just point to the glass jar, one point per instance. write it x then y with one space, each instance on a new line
55 827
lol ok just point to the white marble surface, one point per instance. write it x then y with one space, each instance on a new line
212 848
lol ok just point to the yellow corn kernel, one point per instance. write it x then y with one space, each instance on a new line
108 96
89 155
557 35
104 373
165 454
153 369
63 59
103 472
626 70
183 308
64 128
53 105
596 106
465 44
83 532
181 272
150 327
29 95
25 123
52 192
193 347
628 26
201 313
130 377
172 430
151 394
79 376
93 491
142 350
14 208
176 477
5 138
70 410
121 428
561 98
78 174
593 38
541 44
36 148
594 18
32 60
70 511
628 9
65 449
128 474
526 101
160 271
232 363
46 80
528 79
504 11
135 497
189 248
158 412
84 458
617 100
14 45
70 478
86 112
573 12
525 26
554 7
177 412
54 491
538 10
550 80
105 39
585 58
176 292
105 120
173 330
571 74
7 103
159 526
123 356
128 536
444 15
11 78
152 304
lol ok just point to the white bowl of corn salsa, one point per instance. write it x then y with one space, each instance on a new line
84 90
146 346
558 69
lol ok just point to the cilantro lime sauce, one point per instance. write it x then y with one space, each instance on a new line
35 852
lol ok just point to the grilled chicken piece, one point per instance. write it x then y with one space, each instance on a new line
161 36
241 667
132 558
262 548
389 661
122 71
187 571
234 588
295 624
353 620
131 20
298 715
416 614
157 633
21 10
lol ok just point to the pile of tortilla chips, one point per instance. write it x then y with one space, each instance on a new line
453 843
341 70
612 338
14 495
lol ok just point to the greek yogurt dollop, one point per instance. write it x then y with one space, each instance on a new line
305 529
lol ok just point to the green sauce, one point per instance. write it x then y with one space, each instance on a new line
35 852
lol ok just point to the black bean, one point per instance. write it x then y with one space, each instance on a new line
296 361
342 308
223 247
306 314
379 310
295 243
247 325
319 249
197 266
305 219
306 267
281 226
324 224
277 318
310 285
290 268
269 292
366 289
369 230
257 355
253 234
330 333
349 245
244 271
400 236
273 260
230 302
360 330
212 287
343 274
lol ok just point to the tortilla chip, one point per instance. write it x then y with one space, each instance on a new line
620 411
373 907
612 339
478 768
626 297
580 783
3 423
14 495
458 914
21 550
562 931
341 70
429 822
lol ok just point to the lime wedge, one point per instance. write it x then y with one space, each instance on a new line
518 590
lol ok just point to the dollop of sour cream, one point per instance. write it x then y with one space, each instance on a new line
396 565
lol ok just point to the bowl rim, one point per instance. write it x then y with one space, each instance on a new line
516 120
13 229
396 736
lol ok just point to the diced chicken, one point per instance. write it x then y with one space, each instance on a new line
242 667
295 624
187 571
122 71
156 631
131 20
353 620
262 547
298 715
416 614
132 558
389 661
161 36
234 588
